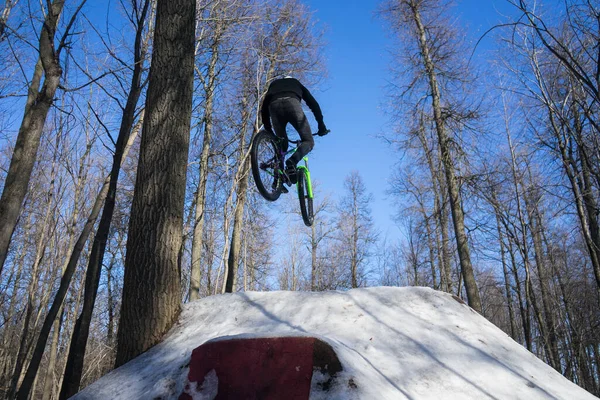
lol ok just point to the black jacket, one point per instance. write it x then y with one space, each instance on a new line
289 87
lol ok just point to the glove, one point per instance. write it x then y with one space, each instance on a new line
322 130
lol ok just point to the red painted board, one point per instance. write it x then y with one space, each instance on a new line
257 368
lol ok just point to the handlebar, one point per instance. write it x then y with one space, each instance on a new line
314 134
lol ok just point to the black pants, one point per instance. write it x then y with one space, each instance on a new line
288 110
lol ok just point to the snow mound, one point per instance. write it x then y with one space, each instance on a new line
393 343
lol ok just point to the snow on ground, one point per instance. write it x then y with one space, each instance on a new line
394 343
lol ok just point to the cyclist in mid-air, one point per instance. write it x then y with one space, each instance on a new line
282 105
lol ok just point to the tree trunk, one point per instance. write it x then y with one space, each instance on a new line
455 203
446 258
354 250
210 257
35 383
509 299
431 245
523 307
50 371
226 245
241 177
549 329
110 326
594 360
152 288
238 219
313 257
433 242
28 140
210 84
197 238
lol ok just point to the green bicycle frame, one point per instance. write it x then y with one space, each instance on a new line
303 169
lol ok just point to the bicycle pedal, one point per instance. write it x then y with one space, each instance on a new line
284 189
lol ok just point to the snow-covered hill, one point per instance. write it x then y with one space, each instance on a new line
394 343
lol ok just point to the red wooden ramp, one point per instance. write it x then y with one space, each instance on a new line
261 368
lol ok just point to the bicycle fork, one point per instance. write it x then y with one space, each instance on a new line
303 169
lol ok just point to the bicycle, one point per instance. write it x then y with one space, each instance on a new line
268 170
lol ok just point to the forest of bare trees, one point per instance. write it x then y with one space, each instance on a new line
505 153
124 158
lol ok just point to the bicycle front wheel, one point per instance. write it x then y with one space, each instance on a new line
264 158
306 202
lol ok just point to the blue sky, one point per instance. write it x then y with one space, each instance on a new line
352 99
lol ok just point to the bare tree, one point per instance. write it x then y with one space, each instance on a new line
308 245
39 101
566 84
67 274
241 183
355 227
74 367
434 49
507 281
41 248
215 25
317 236
291 275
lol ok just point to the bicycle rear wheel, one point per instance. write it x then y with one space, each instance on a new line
306 202
264 158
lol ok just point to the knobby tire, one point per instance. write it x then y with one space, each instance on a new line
265 150
306 203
